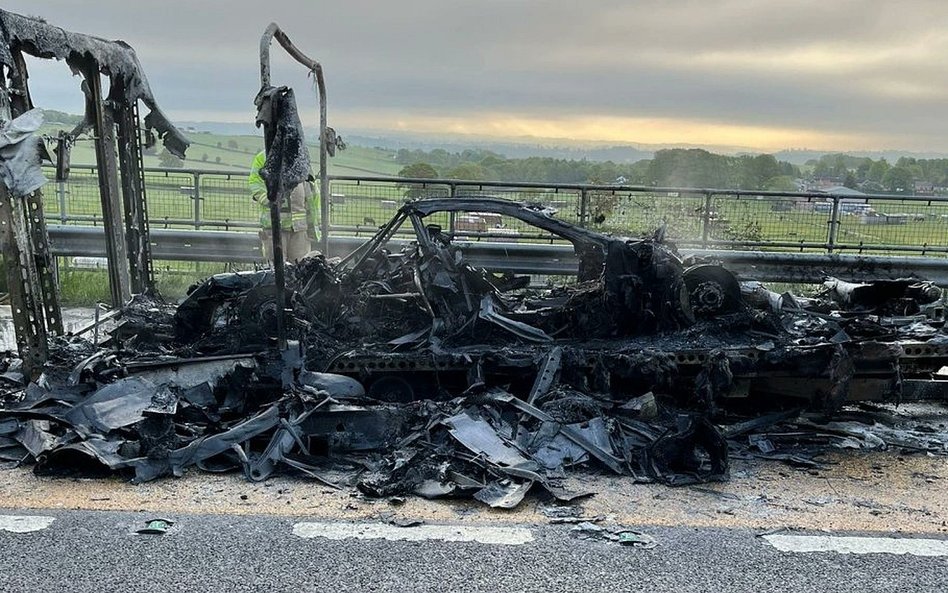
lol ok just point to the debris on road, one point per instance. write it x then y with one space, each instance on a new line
155 527
621 535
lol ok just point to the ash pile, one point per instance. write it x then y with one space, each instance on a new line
406 368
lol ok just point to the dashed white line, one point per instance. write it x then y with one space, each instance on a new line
858 545
24 523
506 536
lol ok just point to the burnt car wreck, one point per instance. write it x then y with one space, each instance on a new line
409 370
408 366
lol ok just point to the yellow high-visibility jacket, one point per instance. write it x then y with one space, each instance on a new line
298 215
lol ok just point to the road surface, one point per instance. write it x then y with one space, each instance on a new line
98 551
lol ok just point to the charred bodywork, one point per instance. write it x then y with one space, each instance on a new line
410 370
623 287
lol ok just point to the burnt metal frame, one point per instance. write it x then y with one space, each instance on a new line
31 280
584 241
25 241
272 32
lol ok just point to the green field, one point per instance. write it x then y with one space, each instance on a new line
355 160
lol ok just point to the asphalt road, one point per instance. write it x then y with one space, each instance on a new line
98 551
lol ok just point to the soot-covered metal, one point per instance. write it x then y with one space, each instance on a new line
404 367
410 370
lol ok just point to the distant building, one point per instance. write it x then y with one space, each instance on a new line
924 188
853 202
824 183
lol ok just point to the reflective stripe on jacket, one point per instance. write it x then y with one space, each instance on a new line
298 214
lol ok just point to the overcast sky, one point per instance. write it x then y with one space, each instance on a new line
769 74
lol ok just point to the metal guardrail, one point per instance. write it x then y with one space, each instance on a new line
705 218
775 236
544 260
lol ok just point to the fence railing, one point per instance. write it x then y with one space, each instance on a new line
692 217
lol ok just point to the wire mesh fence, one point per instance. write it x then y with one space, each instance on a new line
225 201
641 214
359 207
734 219
893 226
787 222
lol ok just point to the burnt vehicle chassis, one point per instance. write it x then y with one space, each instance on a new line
638 319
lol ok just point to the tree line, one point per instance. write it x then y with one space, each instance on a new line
870 175
668 168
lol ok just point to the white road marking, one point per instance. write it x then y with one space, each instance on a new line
24 523
858 545
507 536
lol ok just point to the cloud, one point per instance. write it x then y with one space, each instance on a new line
841 74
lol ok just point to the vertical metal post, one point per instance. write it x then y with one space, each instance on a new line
31 279
278 269
43 263
583 207
276 194
133 199
706 223
22 283
833 226
61 194
324 196
196 195
452 217
112 219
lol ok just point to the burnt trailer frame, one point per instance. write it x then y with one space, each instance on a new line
118 131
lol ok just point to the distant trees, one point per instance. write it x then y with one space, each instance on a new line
899 180
781 183
850 180
413 191
166 159
468 171
678 168
879 176
51 116
877 171
699 168
419 171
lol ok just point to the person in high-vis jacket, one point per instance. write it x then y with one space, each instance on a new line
297 215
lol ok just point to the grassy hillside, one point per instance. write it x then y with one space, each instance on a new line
219 152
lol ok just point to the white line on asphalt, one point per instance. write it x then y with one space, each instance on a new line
509 536
858 545
24 523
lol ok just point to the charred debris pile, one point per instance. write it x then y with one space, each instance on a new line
410 370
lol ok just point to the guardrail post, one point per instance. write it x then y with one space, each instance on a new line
833 226
452 193
706 222
583 207
196 196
